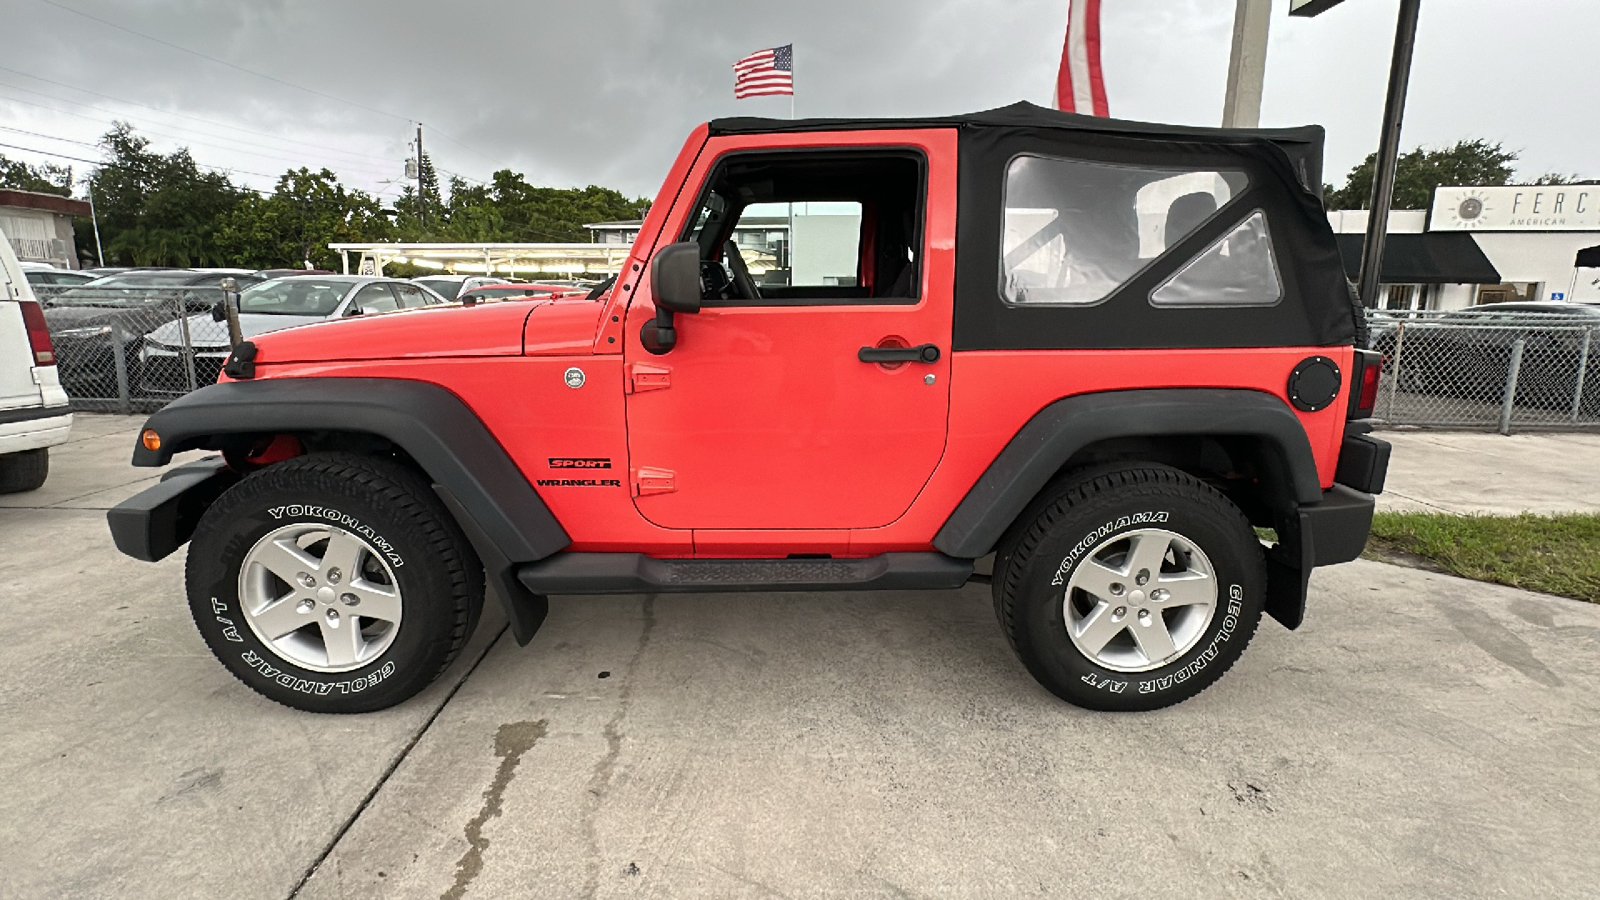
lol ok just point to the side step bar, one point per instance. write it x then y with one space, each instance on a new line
634 573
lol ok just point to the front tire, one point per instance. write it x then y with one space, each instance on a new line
333 583
1130 588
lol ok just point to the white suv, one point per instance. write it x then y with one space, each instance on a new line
33 407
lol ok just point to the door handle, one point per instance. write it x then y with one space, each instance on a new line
927 353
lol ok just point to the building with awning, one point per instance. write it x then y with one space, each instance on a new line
1485 244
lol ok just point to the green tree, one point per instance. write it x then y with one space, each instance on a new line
47 178
159 210
294 224
1417 173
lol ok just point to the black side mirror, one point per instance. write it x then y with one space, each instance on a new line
675 287
353 311
219 311
675 277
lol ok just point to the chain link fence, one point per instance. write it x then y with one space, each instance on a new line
133 349
1482 369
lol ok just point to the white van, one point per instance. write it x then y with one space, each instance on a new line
33 408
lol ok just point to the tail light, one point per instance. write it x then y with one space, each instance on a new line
1364 386
44 352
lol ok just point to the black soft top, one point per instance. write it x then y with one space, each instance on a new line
1303 144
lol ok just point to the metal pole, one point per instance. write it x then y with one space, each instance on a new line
188 342
120 360
422 201
230 306
1405 41
100 253
1509 402
1583 364
1247 67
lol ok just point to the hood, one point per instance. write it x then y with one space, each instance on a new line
205 331
484 329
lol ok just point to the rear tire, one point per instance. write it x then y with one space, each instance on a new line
1129 588
24 471
333 583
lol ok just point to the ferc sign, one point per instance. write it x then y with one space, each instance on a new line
1545 207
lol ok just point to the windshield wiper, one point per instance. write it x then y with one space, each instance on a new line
601 288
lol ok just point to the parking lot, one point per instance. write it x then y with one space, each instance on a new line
1420 736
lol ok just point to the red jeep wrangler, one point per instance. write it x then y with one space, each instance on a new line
1112 355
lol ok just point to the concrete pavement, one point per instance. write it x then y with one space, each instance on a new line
1420 736
1494 474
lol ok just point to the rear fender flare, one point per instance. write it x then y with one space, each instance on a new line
1049 440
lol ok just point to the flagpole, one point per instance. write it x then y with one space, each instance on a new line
791 82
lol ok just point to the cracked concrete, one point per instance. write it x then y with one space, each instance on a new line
1421 736
1471 472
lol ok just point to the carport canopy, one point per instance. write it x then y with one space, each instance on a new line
1434 257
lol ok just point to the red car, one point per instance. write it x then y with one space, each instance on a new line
1100 352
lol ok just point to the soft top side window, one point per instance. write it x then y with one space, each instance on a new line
811 227
1075 231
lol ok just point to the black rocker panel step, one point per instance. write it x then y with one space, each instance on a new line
631 573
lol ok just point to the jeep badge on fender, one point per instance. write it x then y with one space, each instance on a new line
1007 351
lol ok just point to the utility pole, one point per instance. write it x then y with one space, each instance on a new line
422 200
94 217
1405 41
1247 66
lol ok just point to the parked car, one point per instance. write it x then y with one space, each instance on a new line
95 323
269 306
1467 353
506 291
1104 394
451 286
40 275
34 415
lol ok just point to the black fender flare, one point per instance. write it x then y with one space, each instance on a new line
1049 439
493 502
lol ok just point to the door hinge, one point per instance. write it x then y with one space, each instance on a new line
645 377
647 481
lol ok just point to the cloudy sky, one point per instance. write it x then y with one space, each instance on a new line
603 91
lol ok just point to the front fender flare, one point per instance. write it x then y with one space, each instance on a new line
496 506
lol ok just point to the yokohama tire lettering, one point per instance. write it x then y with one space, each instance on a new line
307 686
1099 534
343 520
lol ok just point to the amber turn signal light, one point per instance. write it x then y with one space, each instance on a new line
150 439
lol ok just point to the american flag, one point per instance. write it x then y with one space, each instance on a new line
764 73
1080 87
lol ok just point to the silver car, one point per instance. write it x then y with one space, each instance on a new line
269 306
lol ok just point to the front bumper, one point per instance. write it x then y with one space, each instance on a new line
156 521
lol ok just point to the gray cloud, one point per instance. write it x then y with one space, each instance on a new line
579 93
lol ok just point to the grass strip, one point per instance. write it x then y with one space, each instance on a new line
1549 554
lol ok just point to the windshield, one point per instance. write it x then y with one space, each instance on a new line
293 297
447 288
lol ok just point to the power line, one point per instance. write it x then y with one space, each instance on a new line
212 122
104 164
452 140
222 62
360 168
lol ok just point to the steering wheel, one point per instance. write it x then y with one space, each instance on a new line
741 275
713 280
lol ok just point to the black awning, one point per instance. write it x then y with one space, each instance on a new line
1434 257
1588 258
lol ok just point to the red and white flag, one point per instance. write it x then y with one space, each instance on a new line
1080 87
764 73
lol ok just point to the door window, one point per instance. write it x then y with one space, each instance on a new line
412 297
374 298
811 227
